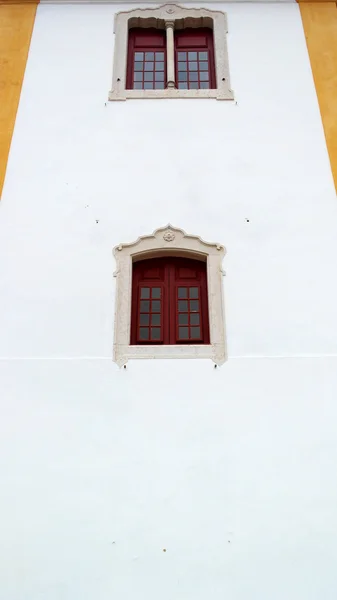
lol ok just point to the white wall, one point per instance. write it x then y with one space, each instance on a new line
231 470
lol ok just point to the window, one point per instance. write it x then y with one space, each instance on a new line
169 302
169 298
170 52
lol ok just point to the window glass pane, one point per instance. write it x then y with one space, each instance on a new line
203 55
138 76
192 56
182 76
183 333
139 66
149 55
204 84
139 55
203 66
145 319
193 76
193 85
181 55
159 55
193 66
182 292
194 292
159 85
138 85
155 320
159 66
203 76
182 305
159 76
182 86
155 305
194 305
148 76
194 319
144 306
155 333
148 85
148 66
145 292
156 293
195 332
144 333
183 319
182 66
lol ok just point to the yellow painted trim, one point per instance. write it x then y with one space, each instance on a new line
320 28
16 27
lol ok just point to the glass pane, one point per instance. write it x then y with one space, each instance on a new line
182 292
182 76
145 319
182 66
148 76
148 85
155 333
193 76
159 85
194 305
156 293
194 292
139 66
183 319
182 305
194 319
144 306
159 76
139 56
203 55
193 66
138 76
149 66
195 332
183 333
181 55
144 333
203 66
155 320
138 85
203 76
159 55
182 86
204 84
149 55
159 66
192 56
194 85
145 292
155 305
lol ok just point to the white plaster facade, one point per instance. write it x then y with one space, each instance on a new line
230 470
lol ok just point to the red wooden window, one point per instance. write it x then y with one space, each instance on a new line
169 302
146 66
194 59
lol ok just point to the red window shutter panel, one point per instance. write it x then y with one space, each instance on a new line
194 59
146 64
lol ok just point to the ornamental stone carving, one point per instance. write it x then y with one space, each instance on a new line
169 236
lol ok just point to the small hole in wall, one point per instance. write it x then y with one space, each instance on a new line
223 79
118 79
247 220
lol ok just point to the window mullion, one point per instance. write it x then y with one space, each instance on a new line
170 54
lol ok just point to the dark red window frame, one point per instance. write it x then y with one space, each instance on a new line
169 302
142 43
194 59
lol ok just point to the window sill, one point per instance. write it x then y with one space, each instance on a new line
218 94
215 352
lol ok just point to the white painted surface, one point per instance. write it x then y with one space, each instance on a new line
230 470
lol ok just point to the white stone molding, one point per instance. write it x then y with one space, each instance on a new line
169 241
171 17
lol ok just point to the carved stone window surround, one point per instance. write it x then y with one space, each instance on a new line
164 17
169 241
